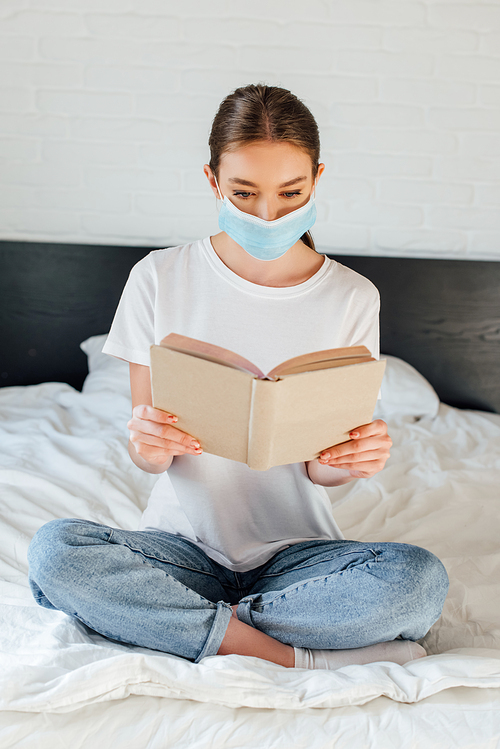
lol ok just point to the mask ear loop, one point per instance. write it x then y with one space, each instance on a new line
218 188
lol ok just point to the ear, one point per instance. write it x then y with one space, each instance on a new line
321 169
211 180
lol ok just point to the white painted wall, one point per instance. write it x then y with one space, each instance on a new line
106 105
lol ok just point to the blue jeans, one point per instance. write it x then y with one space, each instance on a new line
159 591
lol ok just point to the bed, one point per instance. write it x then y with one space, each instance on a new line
63 410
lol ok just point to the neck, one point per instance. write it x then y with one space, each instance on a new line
297 265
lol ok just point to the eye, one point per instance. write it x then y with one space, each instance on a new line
292 194
241 194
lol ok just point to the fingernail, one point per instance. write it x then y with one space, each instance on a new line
353 434
325 456
196 445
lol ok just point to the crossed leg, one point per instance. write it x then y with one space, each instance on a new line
364 598
159 591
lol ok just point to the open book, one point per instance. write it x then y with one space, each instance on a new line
289 415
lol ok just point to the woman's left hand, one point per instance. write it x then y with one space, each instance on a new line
364 454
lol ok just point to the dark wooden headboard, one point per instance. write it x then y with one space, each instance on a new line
442 316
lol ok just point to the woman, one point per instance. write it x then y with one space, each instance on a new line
230 560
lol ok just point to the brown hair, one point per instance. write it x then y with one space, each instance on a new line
259 112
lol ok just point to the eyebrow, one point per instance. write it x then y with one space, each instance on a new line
238 181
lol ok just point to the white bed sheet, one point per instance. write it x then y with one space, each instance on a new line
63 454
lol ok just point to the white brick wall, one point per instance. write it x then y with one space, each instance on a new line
106 105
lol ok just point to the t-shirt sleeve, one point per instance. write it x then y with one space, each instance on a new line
359 309
368 327
133 328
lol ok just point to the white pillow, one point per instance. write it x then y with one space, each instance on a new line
105 372
405 392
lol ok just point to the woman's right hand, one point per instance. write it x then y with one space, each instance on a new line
155 439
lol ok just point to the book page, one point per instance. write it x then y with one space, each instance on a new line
335 357
326 364
209 351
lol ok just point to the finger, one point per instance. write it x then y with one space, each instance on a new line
139 438
356 458
160 435
156 454
153 414
364 470
367 430
163 430
356 447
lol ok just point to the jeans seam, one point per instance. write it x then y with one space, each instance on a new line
164 561
313 564
301 583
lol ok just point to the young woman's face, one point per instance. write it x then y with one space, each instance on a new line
267 180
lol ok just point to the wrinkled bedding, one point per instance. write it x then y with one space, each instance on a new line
63 454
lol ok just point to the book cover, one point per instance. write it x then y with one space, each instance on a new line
238 412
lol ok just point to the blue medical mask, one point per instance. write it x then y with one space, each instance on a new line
265 240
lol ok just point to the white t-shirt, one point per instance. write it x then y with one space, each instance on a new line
238 516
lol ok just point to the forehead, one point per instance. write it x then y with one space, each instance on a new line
266 160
